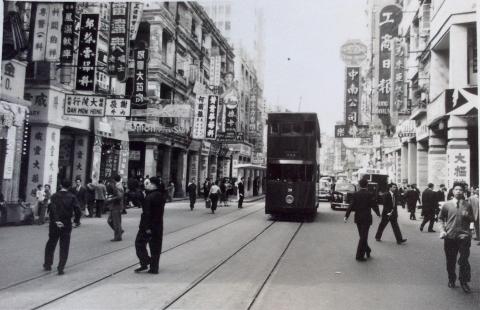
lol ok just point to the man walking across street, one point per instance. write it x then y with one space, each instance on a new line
429 207
390 214
241 193
473 200
363 202
63 206
81 193
206 190
114 201
192 193
455 218
411 197
151 227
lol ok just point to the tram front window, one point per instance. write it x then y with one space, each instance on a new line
291 173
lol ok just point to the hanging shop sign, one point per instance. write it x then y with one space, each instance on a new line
398 98
68 25
117 61
457 97
140 78
352 91
84 105
117 107
40 32
458 161
407 129
353 52
215 70
9 159
389 19
212 107
87 53
135 16
351 131
252 114
175 111
200 117
54 32
144 127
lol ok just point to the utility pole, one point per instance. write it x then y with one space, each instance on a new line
299 103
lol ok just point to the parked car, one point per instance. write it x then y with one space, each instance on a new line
341 197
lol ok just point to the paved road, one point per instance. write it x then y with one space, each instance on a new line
235 259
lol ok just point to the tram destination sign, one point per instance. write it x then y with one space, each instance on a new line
84 105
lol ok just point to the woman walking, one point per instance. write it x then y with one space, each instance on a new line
214 195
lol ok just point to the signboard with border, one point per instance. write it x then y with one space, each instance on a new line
84 105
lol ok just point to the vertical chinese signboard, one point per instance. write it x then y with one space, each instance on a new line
212 106
398 98
54 32
352 95
117 60
87 53
200 117
66 46
140 56
40 32
389 19
215 70
135 16
252 115
458 166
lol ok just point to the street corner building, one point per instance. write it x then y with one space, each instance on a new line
95 90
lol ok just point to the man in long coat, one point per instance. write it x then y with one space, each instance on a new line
429 207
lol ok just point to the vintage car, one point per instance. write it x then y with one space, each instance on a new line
342 195
324 190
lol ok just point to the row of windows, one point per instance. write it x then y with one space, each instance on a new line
297 128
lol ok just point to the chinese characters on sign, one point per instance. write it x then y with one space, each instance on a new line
140 78
40 32
83 105
389 19
54 33
117 62
458 166
212 106
398 75
117 107
352 95
66 46
353 131
200 119
215 70
252 115
87 53
135 16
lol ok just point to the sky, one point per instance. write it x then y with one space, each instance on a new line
302 51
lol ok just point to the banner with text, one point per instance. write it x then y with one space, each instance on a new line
200 117
352 91
212 107
87 53
40 32
389 19
84 105
118 48
66 47
140 56
117 107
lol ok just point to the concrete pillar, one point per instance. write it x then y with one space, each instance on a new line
151 154
412 162
80 156
193 170
422 165
404 163
203 170
180 182
437 159
43 158
166 162
458 151
458 59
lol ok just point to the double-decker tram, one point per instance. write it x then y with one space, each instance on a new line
293 148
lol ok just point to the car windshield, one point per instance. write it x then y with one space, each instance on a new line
345 187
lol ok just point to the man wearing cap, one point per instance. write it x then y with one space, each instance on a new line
151 227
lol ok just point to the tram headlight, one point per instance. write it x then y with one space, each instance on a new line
289 199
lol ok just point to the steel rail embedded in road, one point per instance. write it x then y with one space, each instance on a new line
218 265
134 264
115 251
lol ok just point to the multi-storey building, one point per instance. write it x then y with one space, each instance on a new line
439 141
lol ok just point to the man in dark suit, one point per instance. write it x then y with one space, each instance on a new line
390 214
429 207
362 203
81 193
192 193
241 193
64 205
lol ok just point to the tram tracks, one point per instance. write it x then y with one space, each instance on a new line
214 268
132 246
